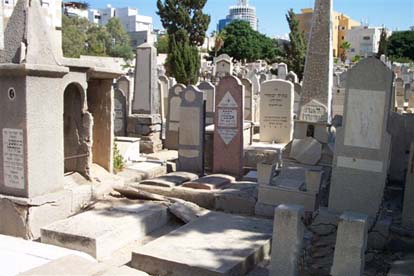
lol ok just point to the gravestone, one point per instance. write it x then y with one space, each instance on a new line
126 85
173 116
318 74
146 95
362 146
120 114
276 116
165 83
292 77
224 66
248 99
209 93
228 121
161 93
191 131
282 71
298 92
262 78
314 112
399 93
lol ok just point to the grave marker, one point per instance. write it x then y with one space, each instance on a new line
173 116
209 93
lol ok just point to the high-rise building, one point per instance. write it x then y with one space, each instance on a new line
341 23
241 11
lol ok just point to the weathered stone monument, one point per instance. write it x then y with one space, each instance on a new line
165 83
209 93
228 133
224 66
363 144
276 116
317 80
173 116
248 99
282 71
120 113
191 131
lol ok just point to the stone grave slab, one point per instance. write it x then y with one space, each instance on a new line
210 182
306 151
171 180
102 232
215 244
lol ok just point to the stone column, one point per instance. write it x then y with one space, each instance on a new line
288 231
351 243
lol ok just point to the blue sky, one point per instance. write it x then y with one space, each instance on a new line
394 14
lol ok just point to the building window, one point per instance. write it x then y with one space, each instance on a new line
366 38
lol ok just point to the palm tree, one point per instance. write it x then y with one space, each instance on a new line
219 43
345 46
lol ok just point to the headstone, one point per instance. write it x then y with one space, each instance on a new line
338 101
288 231
306 151
173 116
224 66
248 99
399 93
292 77
120 114
276 116
125 84
314 112
362 145
298 92
209 93
146 89
191 132
228 134
263 78
165 83
282 71
351 244
383 58
318 74
408 206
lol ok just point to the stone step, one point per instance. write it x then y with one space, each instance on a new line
215 244
101 232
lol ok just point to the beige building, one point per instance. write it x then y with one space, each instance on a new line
341 23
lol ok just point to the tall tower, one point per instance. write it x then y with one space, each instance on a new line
242 11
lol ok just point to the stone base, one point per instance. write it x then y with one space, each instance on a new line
240 198
101 232
148 128
215 244
263 153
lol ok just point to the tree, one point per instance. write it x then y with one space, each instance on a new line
120 44
383 43
184 60
73 36
162 44
295 50
98 41
242 43
186 25
219 42
401 46
345 46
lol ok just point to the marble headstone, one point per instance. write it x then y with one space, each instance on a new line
276 111
362 146
248 99
173 116
282 71
228 133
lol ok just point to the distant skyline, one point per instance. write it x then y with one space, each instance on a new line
394 14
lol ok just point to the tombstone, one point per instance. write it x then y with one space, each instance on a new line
120 114
276 116
292 77
126 86
146 89
399 94
262 78
248 99
173 116
165 83
318 74
383 58
338 101
362 145
298 92
282 71
191 131
224 66
314 112
209 93
161 93
228 121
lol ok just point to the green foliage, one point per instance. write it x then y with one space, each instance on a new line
243 43
295 50
356 59
162 45
345 46
80 37
186 25
401 46
119 163
185 15
183 61
383 43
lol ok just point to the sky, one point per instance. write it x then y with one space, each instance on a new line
394 14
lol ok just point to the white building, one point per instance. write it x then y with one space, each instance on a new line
75 9
241 11
364 41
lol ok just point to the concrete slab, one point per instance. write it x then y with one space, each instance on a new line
210 182
137 172
171 180
215 244
101 232
239 198
18 255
